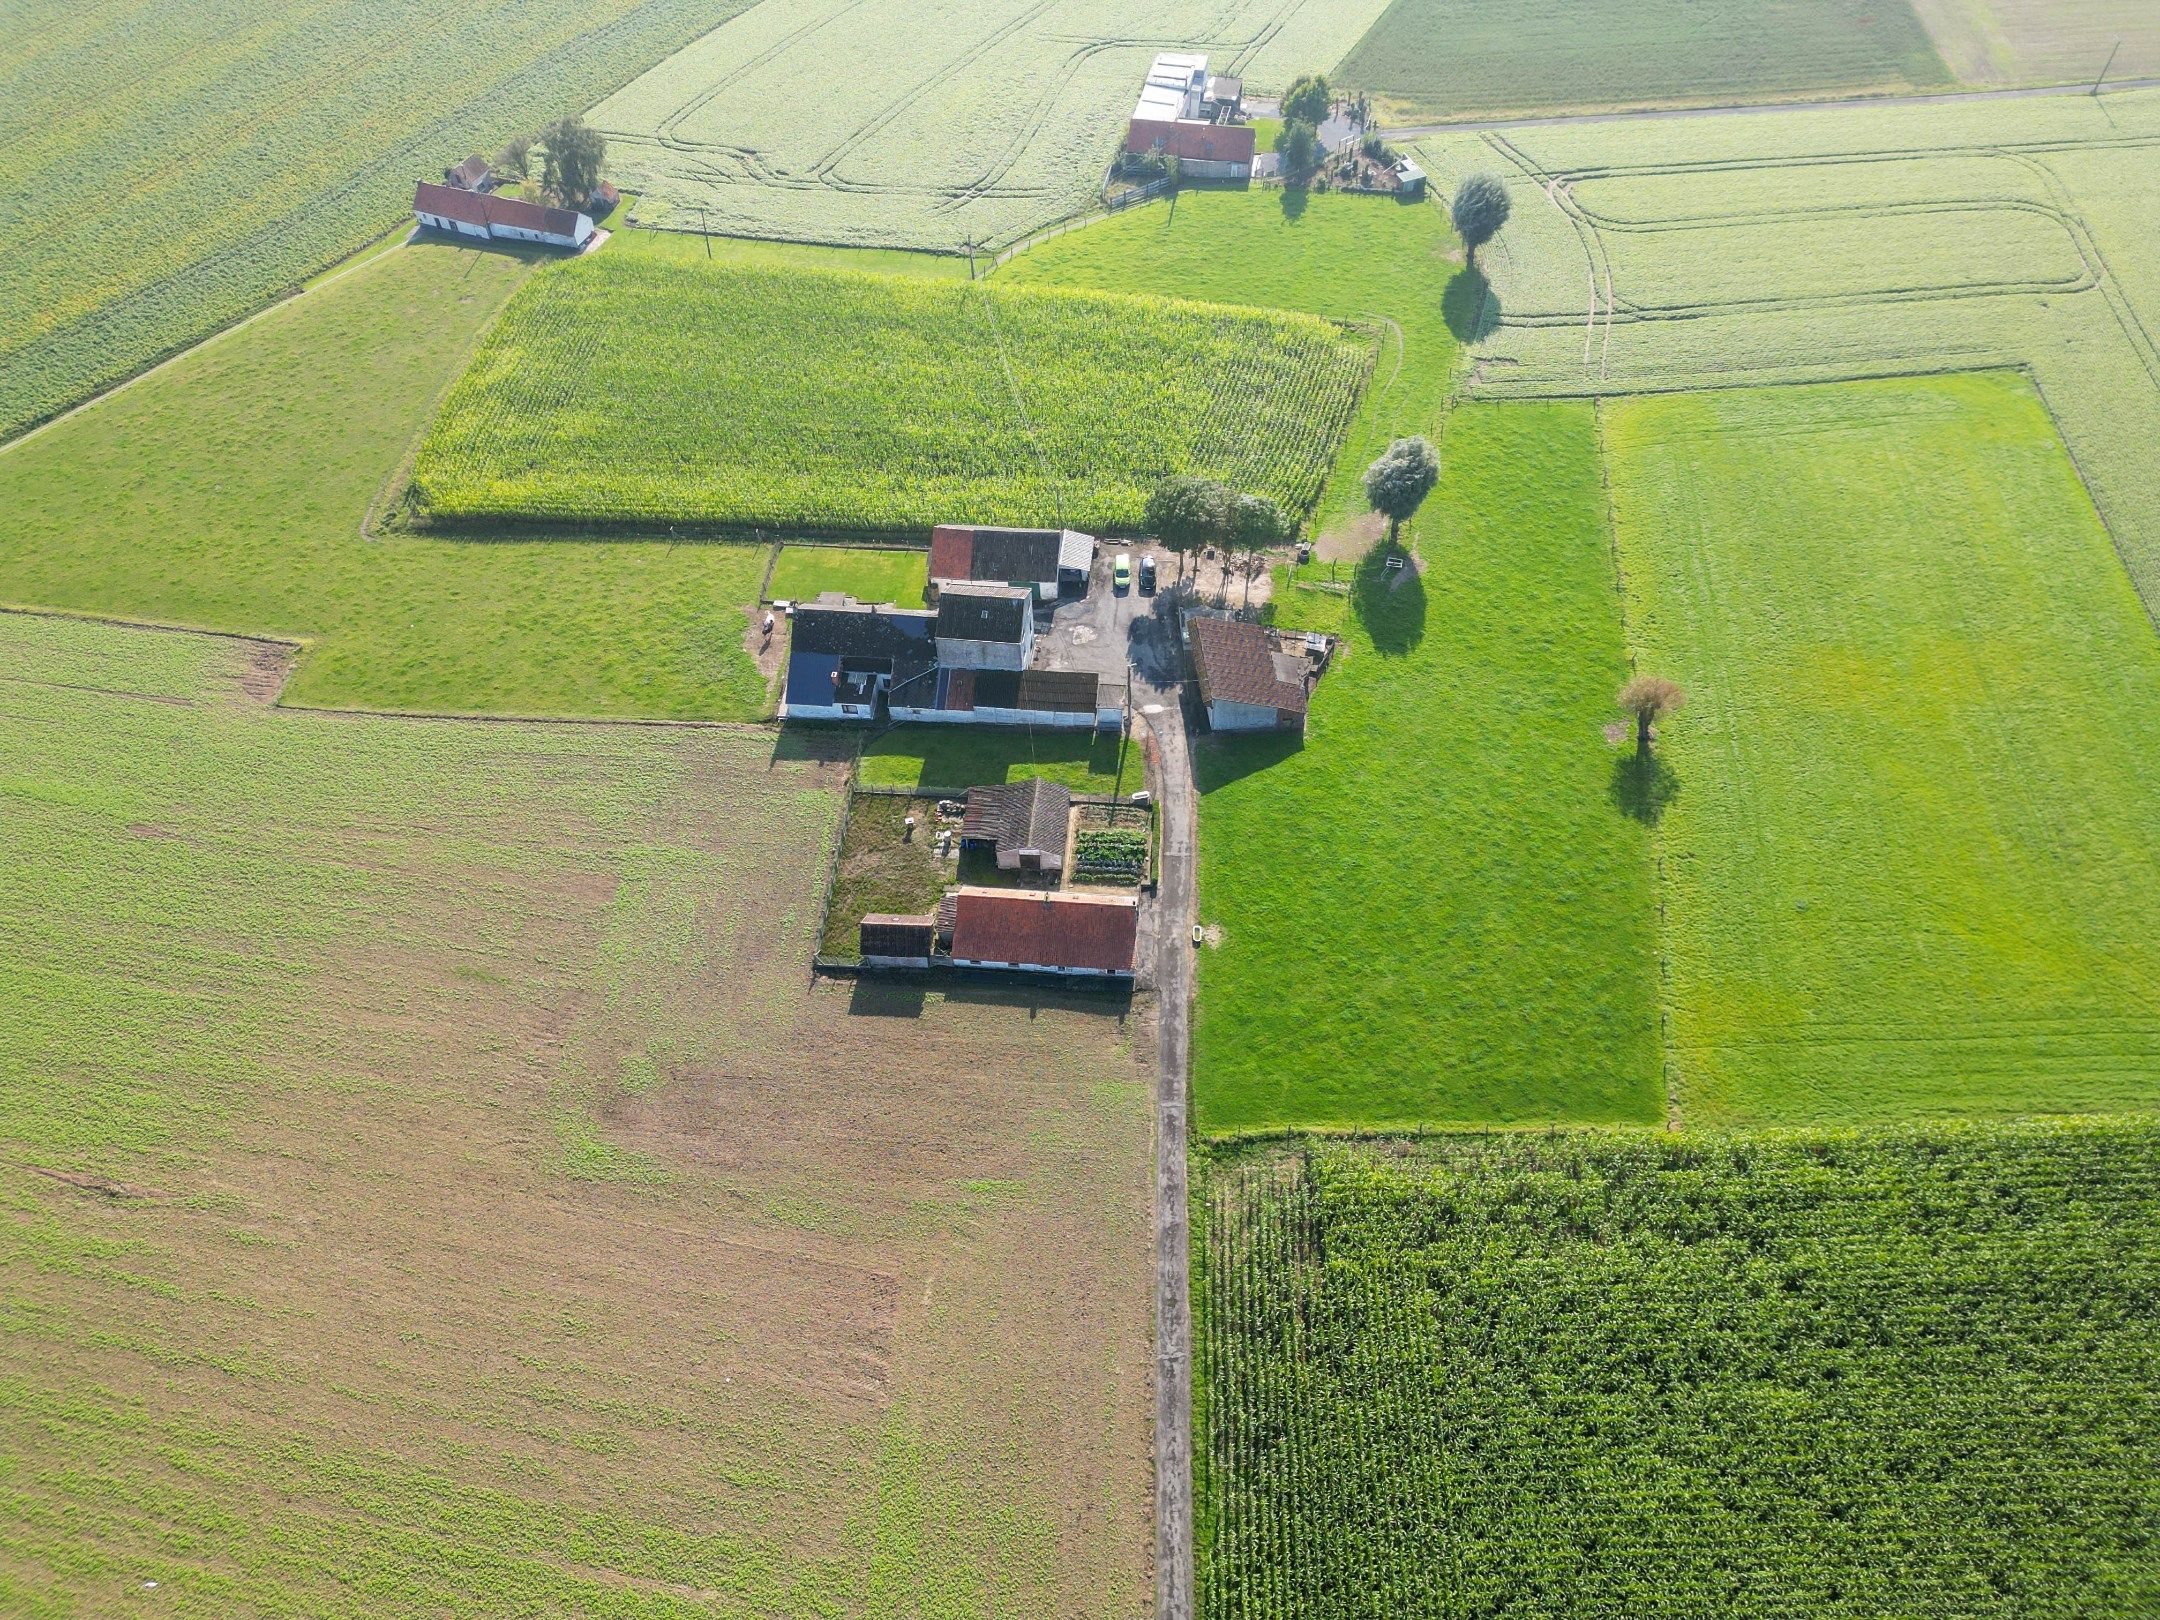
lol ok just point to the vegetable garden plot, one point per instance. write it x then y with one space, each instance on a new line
836 401
1912 1373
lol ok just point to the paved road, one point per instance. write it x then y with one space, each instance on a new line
1156 703
1411 132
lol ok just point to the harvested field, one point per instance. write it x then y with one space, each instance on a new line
1454 59
925 123
1828 243
431 1183
2044 41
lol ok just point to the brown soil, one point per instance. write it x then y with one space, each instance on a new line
1348 541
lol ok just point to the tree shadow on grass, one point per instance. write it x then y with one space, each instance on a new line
1470 307
1390 602
1221 759
1295 199
1643 787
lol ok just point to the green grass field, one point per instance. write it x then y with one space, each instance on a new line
868 575
1912 1372
1362 259
429 1184
173 166
1438 59
227 492
952 759
1910 861
874 403
1435 910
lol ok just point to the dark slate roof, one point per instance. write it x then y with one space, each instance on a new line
1238 663
1017 554
852 630
1053 690
1028 814
982 615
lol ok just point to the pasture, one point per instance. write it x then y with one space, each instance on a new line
1828 243
893 123
172 167
869 575
1446 59
1910 863
429 1184
1438 908
1908 1372
952 759
228 492
874 403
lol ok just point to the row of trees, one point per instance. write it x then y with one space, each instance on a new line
1191 514
571 152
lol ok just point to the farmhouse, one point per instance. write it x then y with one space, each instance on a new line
1049 562
1248 680
845 657
485 216
1022 823
957 664
1177 115
985 627
1046 931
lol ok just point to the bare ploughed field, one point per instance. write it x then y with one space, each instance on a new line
431 1182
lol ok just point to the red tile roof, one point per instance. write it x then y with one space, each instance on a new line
1192 138
478 208
952 551
1093 931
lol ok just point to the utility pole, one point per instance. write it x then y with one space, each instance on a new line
2104 66
705 230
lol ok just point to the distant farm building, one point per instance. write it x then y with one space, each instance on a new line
471 175
485 216
1249 680
1043 931
1048 562
1182 113
1023 824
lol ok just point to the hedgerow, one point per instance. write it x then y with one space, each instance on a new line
1912 1373
630 391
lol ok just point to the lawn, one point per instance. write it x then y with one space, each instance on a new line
430 1184
1439 907
868 575
175 166
952 759
227 492
1450 59
860 402
1910 860
1363 259
1912 1372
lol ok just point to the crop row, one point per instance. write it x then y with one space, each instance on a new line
634 392
171 167
1602 1375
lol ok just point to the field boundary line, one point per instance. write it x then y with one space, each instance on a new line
359 259
2122 557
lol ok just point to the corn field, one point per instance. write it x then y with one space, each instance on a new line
1912 1373
631 392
